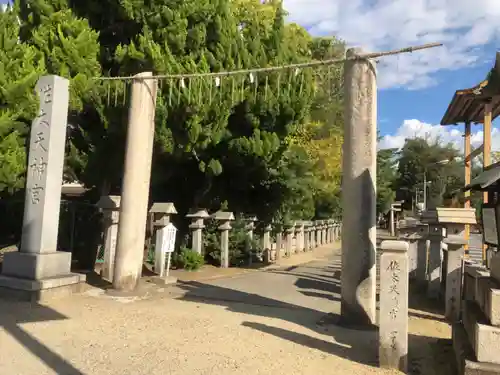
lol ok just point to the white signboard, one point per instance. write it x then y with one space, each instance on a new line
165 245
168 243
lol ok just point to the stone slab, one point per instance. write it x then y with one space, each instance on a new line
41 290
464 354
166 280
489 292
36 266
495 266
484 339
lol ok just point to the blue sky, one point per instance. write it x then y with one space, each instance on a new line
414 89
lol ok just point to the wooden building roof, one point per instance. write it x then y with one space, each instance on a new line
467 105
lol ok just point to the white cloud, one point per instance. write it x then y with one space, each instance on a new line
445 135
464 26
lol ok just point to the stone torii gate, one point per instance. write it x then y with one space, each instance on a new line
477 105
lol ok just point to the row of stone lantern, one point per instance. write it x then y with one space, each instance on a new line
307 234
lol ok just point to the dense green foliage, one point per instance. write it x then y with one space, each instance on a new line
241 140
401 175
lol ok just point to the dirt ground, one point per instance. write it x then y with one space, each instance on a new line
257 322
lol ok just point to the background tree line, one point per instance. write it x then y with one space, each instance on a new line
401 175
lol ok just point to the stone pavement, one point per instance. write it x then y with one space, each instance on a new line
260 322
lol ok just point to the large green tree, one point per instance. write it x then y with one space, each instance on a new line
20 67
436 162
386 178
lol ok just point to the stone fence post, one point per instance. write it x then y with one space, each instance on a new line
266 244
317 224
197 226
278 230
249 228
225 219
436 234
422 253
324 226
330 231
312 235
110 206
453 292
161 218
307 230
289 231
299 236
393 332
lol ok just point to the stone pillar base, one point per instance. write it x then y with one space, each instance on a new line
41 290
36 266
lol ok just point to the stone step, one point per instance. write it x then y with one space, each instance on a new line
484 338
465 357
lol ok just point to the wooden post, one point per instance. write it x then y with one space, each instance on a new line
468 168
486 151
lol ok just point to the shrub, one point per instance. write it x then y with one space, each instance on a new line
240 246
188 259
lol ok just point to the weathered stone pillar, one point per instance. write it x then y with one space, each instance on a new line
331 235
278 230
307 230
289 231
324 226
135 185
38 259
197 225
249 227
393 340
225 218
299 236
436 234
161 218
358 190
317 225
266 243
453 294
422 252
312 233
110 206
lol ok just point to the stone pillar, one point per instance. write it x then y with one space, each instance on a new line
161 218
393 333
110 206
279 245
307 231
422 252
331 236
358 191
197 225
312 233
324 231
436 234
135 185
289 231
266 243
453 293
412 238
317 224
278 229
38 259
225 218
249 227
299 236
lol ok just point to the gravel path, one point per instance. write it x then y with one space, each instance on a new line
257 323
